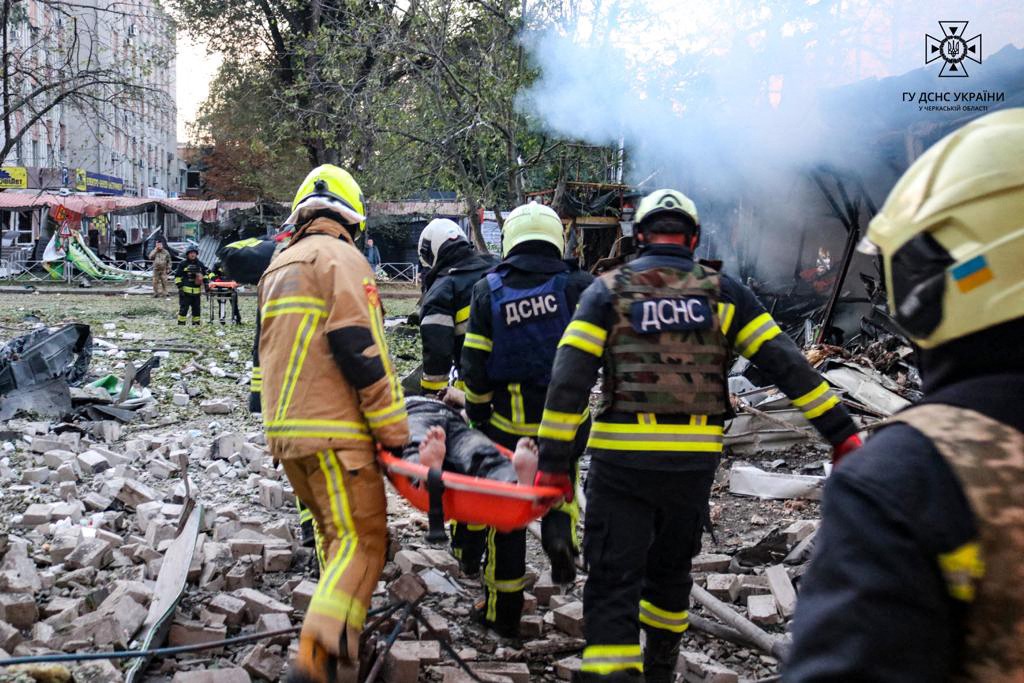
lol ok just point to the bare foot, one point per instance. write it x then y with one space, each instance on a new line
525 461
432 448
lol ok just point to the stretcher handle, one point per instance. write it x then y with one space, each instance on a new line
435 515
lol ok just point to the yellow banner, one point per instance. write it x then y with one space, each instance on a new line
13 177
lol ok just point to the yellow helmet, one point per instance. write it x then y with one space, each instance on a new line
532 221
951 233
329 188
666 202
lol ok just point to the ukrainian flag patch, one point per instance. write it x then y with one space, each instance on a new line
972 274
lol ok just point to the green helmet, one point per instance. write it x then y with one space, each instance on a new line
666 203
529 222
338 191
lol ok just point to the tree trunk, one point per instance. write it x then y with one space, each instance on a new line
476 234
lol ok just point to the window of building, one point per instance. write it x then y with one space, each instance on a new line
36 159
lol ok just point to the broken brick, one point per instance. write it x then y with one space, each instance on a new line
257 604
18 609
761 609
91 552
303 595
403 661
91 461
195 633
226 675
710 563
724 586
568 667
517 672
569 619
782 589
275 621
231 607
411 561
262 664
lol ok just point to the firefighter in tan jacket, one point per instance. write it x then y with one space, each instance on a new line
329 394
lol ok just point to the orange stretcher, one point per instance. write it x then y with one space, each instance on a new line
472 500
223 284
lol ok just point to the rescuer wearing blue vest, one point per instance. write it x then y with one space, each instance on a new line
662 328
518 314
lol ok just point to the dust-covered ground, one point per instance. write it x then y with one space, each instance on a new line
250 530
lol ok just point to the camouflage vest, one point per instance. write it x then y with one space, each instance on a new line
988 459
666 353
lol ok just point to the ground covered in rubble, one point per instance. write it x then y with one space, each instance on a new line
90 510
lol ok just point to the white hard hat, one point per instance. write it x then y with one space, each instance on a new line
437 232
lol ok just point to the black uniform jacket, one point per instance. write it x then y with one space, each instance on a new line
672 441
874 604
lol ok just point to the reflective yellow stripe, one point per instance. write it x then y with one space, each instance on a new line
817 402
296 359
294 305
478 341
509 427
725 314
386 416
560 426
962 569
507 585
607 659
434 382
462 315
755 333
655 437
492 596
339 606
515 391
325 600
292 428
377 329
584 336
473 397
654 616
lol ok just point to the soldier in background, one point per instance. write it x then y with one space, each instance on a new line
161 260
663 329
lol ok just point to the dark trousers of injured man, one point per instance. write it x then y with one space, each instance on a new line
504 562
186 302
641 531
350 514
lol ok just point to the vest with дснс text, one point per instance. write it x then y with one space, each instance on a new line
666 353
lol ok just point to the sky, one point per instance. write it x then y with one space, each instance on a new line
195 69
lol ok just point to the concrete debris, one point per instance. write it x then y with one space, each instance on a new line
745 480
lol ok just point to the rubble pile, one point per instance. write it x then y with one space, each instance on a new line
170 520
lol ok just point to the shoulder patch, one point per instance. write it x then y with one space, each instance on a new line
671 314
372 294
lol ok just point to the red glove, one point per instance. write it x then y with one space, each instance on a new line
558 480
846 447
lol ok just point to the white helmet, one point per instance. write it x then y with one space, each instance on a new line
437 232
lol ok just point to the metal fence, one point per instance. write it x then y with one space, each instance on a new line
17 270
397 272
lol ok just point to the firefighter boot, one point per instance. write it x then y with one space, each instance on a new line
556 535
313 664
661 653
631 676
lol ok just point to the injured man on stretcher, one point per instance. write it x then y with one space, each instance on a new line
440 438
